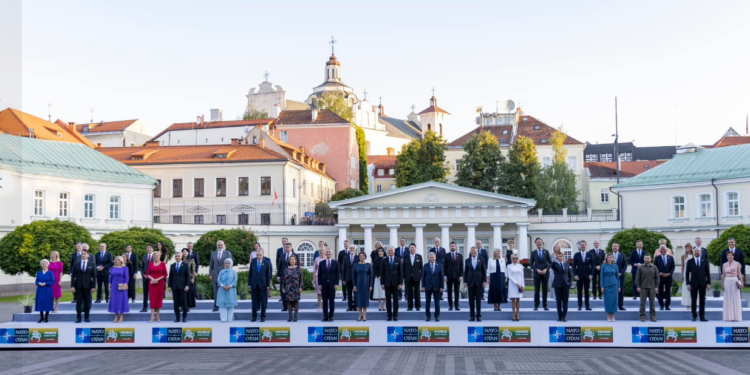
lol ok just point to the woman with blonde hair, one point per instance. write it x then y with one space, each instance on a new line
496 280
44 281
57 268
685 258
157 273
119 278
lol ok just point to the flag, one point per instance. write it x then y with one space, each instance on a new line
275 198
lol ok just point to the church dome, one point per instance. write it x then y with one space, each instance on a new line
333 61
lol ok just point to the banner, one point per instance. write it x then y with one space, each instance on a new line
581 334
105 335
499 334
259 334
419 334
338 334
732 335
187 335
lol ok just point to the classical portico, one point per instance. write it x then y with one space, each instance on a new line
430 210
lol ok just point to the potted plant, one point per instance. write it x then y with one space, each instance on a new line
716 288
464 292
243 295
26 301
200 291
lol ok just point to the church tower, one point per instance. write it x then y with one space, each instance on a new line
333 70
434 118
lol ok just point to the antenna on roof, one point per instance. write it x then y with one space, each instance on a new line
365 92
92 115
49 113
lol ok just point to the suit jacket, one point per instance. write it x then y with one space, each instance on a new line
697 276
412 272
401 251
622 263
598 259
563 275
260 279
453 269
133 269
104 261
279 251
328 278
73 259
144 265
283 264
665 268
433 280
583 268
439 254
340 258
178 280
83 279
635 259
539 263
216 265
482 253
195 257
347 266
391 275
739 257
704 252
475 276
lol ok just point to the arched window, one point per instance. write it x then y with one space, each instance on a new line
441 129
306 251
565 247
429 127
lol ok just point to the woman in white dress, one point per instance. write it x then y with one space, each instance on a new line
378 294
515 285
685 258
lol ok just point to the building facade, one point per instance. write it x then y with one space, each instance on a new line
115 133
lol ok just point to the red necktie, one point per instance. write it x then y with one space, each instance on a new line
328 265
454 257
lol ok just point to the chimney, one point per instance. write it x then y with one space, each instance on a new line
275 111
302 149
265 128
153 144
216 115
236 141
262 142
98 145
31 132
314 114
519 114
199 121
72 127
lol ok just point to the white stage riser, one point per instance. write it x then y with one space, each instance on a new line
302 334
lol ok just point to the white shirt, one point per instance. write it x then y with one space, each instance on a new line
83 265
474 262
412 259
219 254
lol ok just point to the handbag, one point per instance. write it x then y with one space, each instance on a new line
739 284
122 286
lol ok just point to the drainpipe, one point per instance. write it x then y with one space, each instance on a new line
619 208
717 206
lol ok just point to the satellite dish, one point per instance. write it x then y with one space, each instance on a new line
509 106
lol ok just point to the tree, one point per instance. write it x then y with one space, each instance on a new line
254 114
519 175
557 182
138 238
23 249
627 239
422 160
741 235
346 194
238 241
481 164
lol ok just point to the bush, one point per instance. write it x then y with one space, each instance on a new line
346 194
203 283
741 234
136 237
238 241
23 249
627 239
676 285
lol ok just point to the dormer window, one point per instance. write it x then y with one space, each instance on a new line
536 127
255 140
505 132
504 140
59 135
544 140
85 128
224 153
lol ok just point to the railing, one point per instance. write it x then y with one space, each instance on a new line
541 216
167 211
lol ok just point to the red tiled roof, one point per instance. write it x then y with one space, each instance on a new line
214 124
106 126
385 162
731 141
527 128
190 154
304 117
433 108
15 122
497 131
627 168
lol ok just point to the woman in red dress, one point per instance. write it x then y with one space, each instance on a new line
157 273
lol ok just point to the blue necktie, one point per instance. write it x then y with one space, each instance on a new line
178 267
391 262
259 263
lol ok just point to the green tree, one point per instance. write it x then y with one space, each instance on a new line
346 194
254 114
519 175
238 241
481 164
138 238
364 179
23 248
422 160
558 180
741 235
627 239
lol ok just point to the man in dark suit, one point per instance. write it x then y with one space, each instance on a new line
194 256
347 278
598 256
698 280
739 256
432 285
260 274
145 262
391 275
622 266
539 263
583 265
475 279
179 285
439 251
340 260
281 266
73 259
665 265
412 265
401 250
636 260
132 271
328 282
453 263
103 264
83 283
699 245
561 283
280 251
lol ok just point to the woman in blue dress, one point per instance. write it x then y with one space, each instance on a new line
362 277
226 296
610 285
119 275
44 301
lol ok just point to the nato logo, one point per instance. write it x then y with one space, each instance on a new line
732 335
640 335
7 336
83 336
315 334
476 334
158 335
557 334
395 334
236 334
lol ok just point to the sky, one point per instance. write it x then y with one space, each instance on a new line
680 69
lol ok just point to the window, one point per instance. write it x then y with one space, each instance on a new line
706 205
606 158
505 132
458 165
157 190
284 136
591 158
221 187
565 247
243 219
306 251
380 188
381 172
198 187
304 187
544 140
626 156
546 162
265 219
221 219
157 219
177 219
294 187
392 171
536 127
572 163
177 188
198 219
243 187
605 196
88 206
504 140
393 187
733 203
488 121
39 203
360 244
312 190
390 151
265 185
64 202
678 207
114 207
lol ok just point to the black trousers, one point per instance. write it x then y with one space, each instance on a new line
349 294
541 284
180 302
621 295
583 285
260 301
102 283
146 284
83 302
430 294
562 294
475 301
391 301
329 305
454 287
698 295
343 288
596 282
131 287
412 294
665 291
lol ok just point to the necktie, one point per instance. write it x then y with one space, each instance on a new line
178 266
259 263
583 253
328 265
149 258
433 267
698 261
454 257
83 266
391 261
220 255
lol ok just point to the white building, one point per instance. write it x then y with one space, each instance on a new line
208 133
115 133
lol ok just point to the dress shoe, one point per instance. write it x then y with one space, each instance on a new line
284 309
330 319
144 310
107 300
395 319
588 309
704 320
324 320
42 320
87 320
695 319
634 298
565 319
643 319
389 319
457 309
78 320
622 309
653 319
98 301
479 319
536 308
437 319
667 308
290 319
410 309
428 319
418 309
262 319
253 319
661 308
177 320
450 309
546 308
184 320
579 308
471 319
215 309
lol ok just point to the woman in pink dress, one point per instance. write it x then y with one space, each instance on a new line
157 273
56 266
318 291
731 279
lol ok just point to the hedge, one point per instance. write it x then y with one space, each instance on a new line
238 241
741 234
138 238
627 239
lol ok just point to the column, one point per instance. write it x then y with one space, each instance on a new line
497 237
394 235
471 237
342 237
523 241
419 238
368 238
445 240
